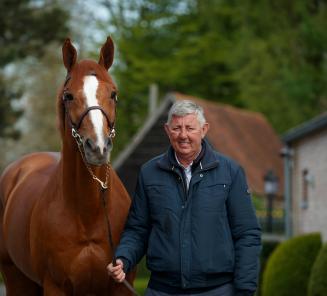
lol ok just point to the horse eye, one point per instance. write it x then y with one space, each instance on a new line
67 96
114 96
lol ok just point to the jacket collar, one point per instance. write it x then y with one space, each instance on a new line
205 160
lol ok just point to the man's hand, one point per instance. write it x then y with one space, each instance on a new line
117 272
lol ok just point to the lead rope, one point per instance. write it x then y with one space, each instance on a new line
110 240
103 189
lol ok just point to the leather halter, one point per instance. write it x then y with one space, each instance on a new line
77 125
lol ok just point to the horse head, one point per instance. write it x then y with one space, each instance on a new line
87 103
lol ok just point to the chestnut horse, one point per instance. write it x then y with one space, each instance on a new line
57 217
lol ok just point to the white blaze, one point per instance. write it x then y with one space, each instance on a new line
90 90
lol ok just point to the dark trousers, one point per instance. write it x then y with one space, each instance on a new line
224 290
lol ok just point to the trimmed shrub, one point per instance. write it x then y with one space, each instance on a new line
267 248
288 269
318 278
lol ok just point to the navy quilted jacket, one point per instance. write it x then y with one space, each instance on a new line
198 238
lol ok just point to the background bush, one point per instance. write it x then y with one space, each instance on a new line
288 269
267 248
318 278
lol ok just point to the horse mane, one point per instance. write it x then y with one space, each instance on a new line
60 108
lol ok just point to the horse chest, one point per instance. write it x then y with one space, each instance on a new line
80 266
74 254
87 269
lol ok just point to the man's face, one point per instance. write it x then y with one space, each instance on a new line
185 135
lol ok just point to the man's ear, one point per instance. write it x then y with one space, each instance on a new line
167 130
205 129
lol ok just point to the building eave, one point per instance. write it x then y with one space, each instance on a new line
305 129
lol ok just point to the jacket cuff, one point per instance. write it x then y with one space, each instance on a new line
126 263
243 293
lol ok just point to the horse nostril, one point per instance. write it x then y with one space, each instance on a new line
90 144
108 145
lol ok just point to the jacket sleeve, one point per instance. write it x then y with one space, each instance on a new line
246 234
133 242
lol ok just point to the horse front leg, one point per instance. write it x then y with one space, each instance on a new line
17 283
51 289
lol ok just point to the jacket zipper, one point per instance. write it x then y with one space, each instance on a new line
181 179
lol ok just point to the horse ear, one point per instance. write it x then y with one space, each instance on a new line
69 54
107 54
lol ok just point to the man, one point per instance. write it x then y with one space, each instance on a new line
192 216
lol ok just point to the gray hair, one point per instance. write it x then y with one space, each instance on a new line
185 107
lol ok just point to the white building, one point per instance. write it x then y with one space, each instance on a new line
305 162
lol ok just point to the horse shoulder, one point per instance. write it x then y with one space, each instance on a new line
21 185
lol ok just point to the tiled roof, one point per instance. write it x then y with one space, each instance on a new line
246 137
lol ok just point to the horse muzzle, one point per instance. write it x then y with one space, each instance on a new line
95 154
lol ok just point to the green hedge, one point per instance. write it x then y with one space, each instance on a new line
267 248
318 278
288 269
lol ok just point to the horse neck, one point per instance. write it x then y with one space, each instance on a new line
80 191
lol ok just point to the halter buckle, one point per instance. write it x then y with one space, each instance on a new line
112 133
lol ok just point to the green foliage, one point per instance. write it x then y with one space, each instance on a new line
288 268
140 285
267 249
318 278
26 27
279 63
266 56
8 115
142 277
258 202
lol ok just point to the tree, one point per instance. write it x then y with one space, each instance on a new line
174 44
279 61
25 26
261 55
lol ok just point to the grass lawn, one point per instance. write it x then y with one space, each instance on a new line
142 277
140 284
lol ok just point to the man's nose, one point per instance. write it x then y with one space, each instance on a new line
183 133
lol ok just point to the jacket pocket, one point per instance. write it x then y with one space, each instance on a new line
212 197
161 197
